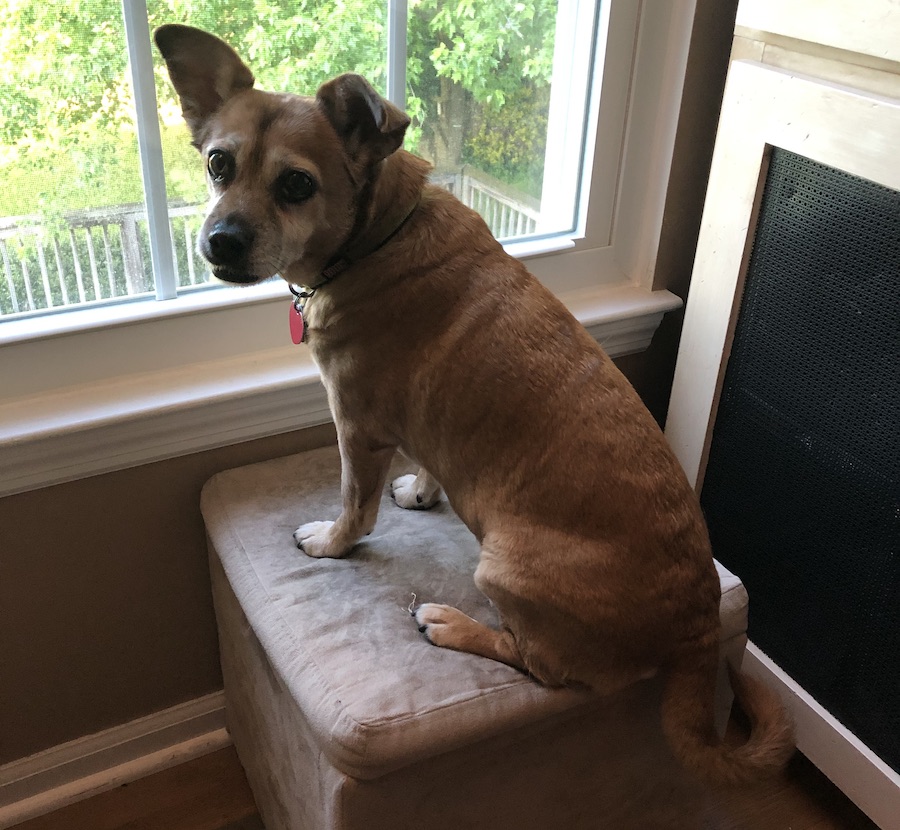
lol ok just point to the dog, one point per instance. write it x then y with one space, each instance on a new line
433 341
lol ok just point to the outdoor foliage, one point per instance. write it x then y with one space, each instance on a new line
508 141
478 77
66 124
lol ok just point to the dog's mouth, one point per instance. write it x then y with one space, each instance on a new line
235 277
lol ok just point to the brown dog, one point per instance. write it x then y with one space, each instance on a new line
432 340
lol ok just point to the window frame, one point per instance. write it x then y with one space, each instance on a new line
93 390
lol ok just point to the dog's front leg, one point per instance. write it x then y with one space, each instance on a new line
363 473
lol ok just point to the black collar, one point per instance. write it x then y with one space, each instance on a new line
364 245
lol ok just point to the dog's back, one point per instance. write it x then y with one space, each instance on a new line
594 547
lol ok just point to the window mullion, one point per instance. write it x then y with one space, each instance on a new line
396 52
137 35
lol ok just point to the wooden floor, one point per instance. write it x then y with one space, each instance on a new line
802 798
211 793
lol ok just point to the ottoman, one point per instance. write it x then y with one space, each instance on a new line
344 716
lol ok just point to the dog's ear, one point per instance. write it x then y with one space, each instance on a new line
205 71
370 126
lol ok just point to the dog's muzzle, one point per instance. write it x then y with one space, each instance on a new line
227 248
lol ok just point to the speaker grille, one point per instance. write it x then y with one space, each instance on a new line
802 487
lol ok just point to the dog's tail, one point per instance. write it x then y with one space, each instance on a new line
687 720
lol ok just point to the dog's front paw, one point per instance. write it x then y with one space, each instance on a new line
443 625
316 539
414 493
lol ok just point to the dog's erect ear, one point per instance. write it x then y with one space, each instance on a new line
370 126
205 71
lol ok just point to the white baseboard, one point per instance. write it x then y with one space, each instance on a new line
73 771
854 768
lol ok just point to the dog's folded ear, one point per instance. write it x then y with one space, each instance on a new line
205 71
370 126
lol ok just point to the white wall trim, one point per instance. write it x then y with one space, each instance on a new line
113 425
654 109
864 28
863 777
90 765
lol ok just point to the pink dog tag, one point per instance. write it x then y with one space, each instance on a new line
296 324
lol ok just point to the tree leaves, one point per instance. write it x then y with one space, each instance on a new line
67 99
489 52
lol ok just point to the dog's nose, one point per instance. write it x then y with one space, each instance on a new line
228 243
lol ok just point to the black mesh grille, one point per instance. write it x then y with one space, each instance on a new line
802 489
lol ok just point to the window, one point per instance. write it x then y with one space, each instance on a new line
96 386
106 201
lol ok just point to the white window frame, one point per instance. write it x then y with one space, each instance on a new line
94 390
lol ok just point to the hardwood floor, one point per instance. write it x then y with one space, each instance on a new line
211 793
802 798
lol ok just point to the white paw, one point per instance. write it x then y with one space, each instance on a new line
408 492
442 625
316 539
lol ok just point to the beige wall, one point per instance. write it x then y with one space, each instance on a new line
104 595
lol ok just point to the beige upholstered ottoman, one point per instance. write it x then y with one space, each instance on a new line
345 717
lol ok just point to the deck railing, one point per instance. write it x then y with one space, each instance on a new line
508 213
102 254
90 256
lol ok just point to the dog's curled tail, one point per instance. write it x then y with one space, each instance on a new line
687 720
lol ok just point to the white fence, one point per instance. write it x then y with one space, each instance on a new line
99 255
89 256
507 213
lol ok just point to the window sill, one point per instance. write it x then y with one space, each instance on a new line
115 424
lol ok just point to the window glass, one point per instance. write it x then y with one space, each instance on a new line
496 90
478 80
72 221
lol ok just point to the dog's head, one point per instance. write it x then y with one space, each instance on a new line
287 174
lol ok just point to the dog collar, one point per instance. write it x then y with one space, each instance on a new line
352 254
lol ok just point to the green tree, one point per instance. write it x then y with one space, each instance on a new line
469 60
65 126
67 138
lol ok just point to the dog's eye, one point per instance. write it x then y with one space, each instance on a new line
296 186
220 165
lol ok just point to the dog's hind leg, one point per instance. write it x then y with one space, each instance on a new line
449 628
416 492
363 473
536 635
